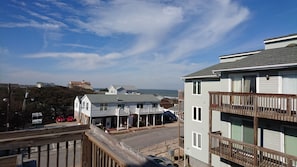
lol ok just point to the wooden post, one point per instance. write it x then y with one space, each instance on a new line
256 125
86 158
289 104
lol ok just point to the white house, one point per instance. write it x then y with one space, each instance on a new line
242 111
118 111
122 89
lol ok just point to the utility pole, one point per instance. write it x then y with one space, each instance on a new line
8 107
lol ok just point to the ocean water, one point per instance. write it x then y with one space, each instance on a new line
161 92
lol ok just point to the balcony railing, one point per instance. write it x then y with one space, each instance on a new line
75 146
247 154
143 111
270 106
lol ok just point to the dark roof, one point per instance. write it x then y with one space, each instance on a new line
266 59
100 98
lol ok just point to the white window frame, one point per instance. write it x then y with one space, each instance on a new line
197 86
198 113
103 106
139 105
196 144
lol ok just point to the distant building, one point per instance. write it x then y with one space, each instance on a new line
44 84
121 89
118 111
80 84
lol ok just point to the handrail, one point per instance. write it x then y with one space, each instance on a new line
258 94
42 136
31 133
232 150
271 106
103 143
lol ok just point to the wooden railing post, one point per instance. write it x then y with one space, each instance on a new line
289 104
256 125
86 158
290 163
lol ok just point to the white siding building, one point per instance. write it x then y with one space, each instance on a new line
118 111
122 89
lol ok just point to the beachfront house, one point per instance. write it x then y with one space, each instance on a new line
121 89
118 111
80 84
242 111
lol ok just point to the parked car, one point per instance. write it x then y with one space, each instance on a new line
161 161
60 119
70 118
169 117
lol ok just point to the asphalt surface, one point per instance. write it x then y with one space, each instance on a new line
148 137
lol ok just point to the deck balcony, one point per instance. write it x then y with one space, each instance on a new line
280 107
248 154
75 146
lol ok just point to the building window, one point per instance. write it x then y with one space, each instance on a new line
122 106
139 105
87 106
83 105
197 140
197 114
155 105
103 107
196 87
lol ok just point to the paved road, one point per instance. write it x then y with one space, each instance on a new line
144 138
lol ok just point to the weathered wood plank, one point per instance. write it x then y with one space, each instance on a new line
39 141
8 161
30 133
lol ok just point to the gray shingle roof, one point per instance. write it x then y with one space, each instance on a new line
266 59
100 98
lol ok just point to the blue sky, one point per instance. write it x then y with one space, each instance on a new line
148 44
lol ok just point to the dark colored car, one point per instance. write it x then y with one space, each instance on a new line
169 117
161 161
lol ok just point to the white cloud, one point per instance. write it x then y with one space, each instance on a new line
210 27
33 24
79 61
178 27
158 37
146 20
79 45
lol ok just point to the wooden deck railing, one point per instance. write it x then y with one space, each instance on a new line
75 146
270 106
247 154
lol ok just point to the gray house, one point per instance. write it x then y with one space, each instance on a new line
242 111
